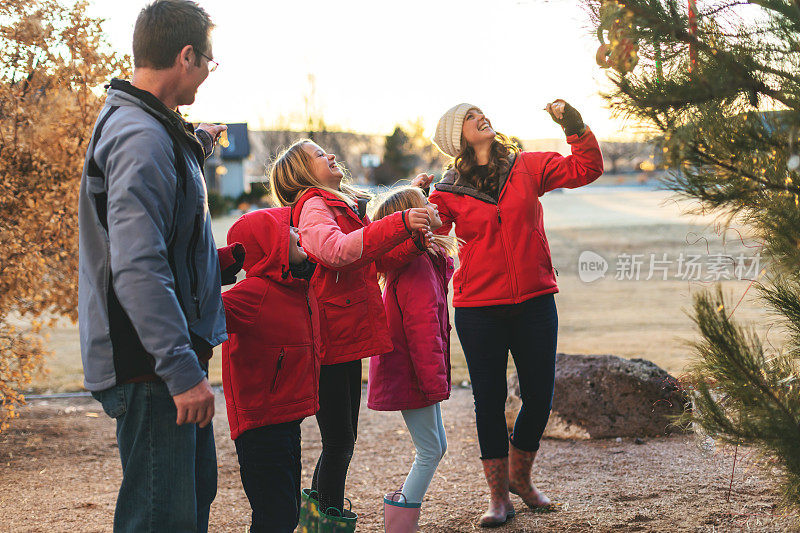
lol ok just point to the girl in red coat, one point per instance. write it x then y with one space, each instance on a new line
338 236
414 378
504 285
270 364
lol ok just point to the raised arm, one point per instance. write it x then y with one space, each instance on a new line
586 162
581 168
445 213
327 244
400 255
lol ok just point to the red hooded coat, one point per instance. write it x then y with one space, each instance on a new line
416 373
270 362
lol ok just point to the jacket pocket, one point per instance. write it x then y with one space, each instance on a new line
347 318
293 380
545 260
191 263
278 366
463 268
251 377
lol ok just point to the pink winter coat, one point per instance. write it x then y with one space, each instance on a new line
416 373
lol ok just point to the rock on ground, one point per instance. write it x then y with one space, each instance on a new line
601 396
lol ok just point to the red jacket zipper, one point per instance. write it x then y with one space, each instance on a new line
277 371
512 273
313 333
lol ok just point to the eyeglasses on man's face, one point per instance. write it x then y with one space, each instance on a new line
212 65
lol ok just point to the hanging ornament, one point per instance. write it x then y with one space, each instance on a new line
622 51
658 59
693 33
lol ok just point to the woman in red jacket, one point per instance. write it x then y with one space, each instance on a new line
504 286
338 236
414 378
270 364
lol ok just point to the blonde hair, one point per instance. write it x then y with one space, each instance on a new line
291 175
403 198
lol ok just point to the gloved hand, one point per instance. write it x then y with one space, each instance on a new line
567 117
231 261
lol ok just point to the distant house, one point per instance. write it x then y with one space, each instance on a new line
225 169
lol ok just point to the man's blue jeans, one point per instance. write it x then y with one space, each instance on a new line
169 472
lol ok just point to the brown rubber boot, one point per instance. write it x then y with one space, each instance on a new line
500 507
519 478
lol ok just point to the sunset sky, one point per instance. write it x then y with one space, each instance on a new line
376 64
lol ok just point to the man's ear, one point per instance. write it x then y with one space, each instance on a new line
186 57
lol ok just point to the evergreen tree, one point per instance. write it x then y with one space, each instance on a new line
399 160
717 80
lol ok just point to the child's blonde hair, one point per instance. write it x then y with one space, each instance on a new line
404 198
290 176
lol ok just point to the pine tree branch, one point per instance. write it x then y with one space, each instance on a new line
709 159
723 57
784 9
707 318
724 7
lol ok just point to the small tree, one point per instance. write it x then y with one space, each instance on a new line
718 79
53 59
429 158
399 160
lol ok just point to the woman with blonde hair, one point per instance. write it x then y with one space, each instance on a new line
504 285
337 234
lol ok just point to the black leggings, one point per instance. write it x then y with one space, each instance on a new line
530 331
339 401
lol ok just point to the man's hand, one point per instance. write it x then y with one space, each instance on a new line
423 181
196 405
215 130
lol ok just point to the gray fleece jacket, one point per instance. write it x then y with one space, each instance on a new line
149 281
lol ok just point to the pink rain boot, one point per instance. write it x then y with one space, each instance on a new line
400 516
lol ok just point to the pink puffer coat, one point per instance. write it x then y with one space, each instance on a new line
416 373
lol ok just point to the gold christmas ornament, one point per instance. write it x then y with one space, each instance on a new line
622 51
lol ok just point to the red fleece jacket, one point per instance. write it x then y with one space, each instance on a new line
271 361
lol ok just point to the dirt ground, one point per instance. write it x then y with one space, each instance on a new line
60 472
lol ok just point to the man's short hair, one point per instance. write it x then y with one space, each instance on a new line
164 27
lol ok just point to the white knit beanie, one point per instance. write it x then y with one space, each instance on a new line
448 131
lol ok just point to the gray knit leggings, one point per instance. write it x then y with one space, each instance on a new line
427 431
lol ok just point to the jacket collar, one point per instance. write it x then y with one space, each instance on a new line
171 120
357 212
451 183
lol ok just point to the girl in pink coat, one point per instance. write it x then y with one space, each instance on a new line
415 376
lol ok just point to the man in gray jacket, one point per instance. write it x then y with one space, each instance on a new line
150 309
